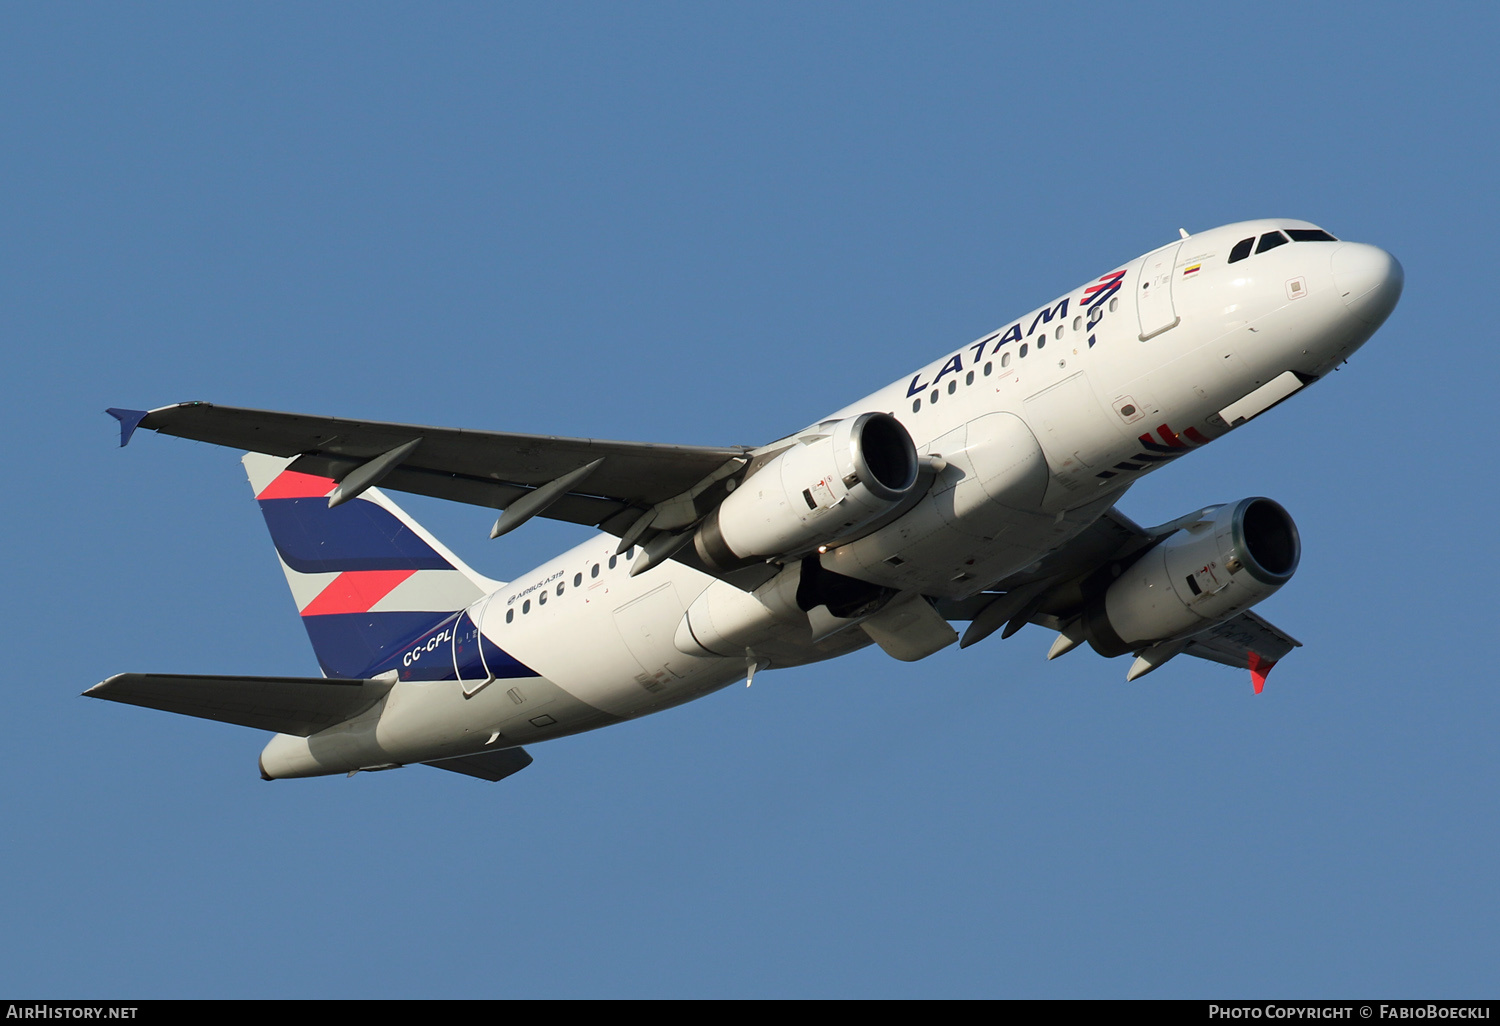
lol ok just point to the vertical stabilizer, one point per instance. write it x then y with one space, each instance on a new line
366 577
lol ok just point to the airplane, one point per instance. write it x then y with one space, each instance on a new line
979 489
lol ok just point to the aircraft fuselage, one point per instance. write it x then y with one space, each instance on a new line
1027 434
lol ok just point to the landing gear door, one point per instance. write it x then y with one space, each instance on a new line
1153 293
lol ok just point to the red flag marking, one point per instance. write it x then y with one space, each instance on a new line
1169 438
1195 436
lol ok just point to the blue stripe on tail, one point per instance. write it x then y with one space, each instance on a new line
313 539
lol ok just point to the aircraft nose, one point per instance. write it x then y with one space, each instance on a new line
1369 279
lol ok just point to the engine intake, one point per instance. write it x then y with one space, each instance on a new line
814 491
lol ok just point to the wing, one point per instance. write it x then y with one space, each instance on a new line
1055 590
484 468
1245 642
1051 591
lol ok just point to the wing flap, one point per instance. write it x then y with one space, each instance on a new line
287 705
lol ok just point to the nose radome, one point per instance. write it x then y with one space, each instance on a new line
1369 279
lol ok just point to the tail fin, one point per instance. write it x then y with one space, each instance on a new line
366 577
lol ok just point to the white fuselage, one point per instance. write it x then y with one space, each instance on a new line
1038 428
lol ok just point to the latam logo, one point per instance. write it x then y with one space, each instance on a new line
1093 298
1101 290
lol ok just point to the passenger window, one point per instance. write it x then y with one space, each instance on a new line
577 580
1041 341
952 387
969 378
917 405
933 397
1241 249
541 599
1005 360
1310 235
559 588
1270 240
510 614
594 572
630 553
1023 350
612 561
987 368
526 606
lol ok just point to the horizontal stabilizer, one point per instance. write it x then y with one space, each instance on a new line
487 765
287 705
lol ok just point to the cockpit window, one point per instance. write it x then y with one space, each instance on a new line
1310 235
1271 240
1241 249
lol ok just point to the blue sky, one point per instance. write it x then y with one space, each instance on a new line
713 224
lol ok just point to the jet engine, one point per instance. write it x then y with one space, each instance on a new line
1233 557
822 487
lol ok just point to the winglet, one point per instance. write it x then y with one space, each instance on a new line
1259 671
129 421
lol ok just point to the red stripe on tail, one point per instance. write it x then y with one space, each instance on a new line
355 591
291 485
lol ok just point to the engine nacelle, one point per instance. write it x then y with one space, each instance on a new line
813 492
1196 577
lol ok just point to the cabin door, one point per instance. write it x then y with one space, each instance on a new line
1153 293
